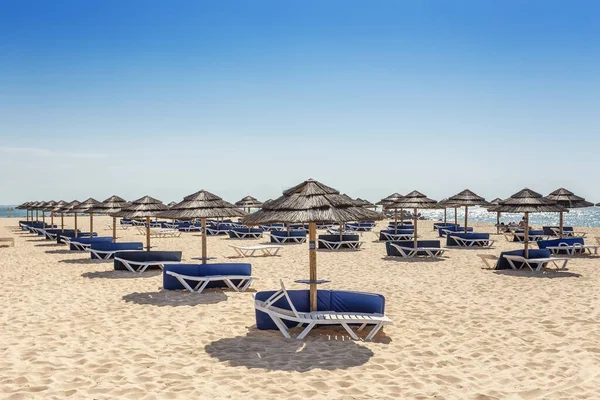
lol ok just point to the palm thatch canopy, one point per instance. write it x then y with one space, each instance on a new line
392 198
59 206
87 205
364 203
143 207
202 204
49 205
249 202
171 204
493 204
527 201
466 198
568 199
70 207
36 205
414 199
311 201
111 205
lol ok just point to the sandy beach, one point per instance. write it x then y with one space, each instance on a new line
74 327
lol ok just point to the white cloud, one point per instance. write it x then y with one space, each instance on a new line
41 152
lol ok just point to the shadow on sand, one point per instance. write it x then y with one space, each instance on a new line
269 350
175 298
112 274
547 274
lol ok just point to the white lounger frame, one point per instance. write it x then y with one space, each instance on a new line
278 315
462 242
396 236
575 249
246 235
248 251
556 232
141 266
536 264
106 254
283 240
411 252
351 244
203 281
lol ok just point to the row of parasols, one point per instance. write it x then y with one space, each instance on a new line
309 202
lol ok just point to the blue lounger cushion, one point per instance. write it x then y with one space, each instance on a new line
110 246
392 251
533 253
531 233
283 234
171 283
90 240
463 235
144 256
70 233
243 230
442 231
542 244
327 300
336 238
395 232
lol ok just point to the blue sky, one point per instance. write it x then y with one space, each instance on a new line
238 97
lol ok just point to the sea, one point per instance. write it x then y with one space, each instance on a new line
587 217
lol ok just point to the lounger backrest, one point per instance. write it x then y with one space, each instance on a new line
464 235
542 244
392 251
533 253
143 256
292 233
171 283
336 238
110 246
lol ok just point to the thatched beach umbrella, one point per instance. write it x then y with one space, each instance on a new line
71 208
87 206
248 202
35 207
416 200
527 201
58 209
365 203
203 205
567 200
311 202
144 207
388 203
49 206
465 199
171 204
492 208
24 206
111 206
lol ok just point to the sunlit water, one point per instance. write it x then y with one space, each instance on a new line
588 217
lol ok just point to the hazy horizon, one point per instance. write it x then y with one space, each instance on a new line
135 98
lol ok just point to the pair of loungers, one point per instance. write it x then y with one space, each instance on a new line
536 260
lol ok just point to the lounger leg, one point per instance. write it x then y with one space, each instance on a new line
247 285
374 331
128 266
306 330
184 283
282 327
350 331
202 286
362 327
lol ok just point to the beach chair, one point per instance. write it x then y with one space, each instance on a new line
248 251
570 246
338 309
245 233
537 260
399 234
140 261
285 237
489 260
333 242
469 240
84 243
407 249
107 250
197 277
566 232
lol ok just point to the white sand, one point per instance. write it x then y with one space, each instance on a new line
70 326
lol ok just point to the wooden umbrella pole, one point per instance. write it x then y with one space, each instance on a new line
312 258
91 224
51 219
204 241
561 224
37 217
455 216
75 224
147 233
62 222
341 231
526 237
498 223
415 227
44 219
445 215
395 220
466 217
114 229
